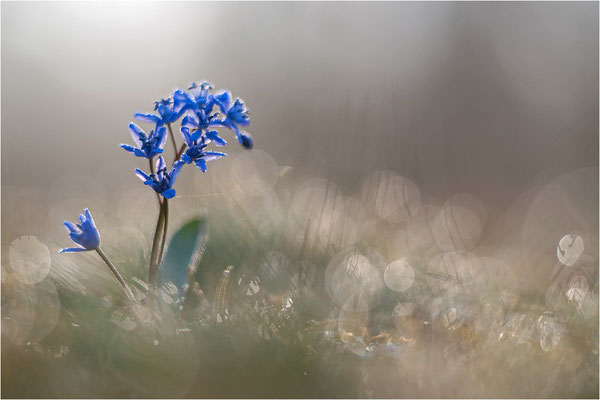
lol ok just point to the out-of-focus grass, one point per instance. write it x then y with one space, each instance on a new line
287 321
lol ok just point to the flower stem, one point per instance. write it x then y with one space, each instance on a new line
180 152
153 268
173 139
152 172
164 234
113 269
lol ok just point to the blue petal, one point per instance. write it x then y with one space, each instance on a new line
179 101
150 118
223 100
77 238
218 122
129 148
185 132
161 134
246 140
201 164
195 136
88 216
190 121
137 134
212 155
140 153
169 193
185 158
72 250
175 171
71 227
142 175
214 136
160 164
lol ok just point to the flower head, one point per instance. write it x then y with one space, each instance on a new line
162 182
168 112
197 142
85 234
236 115
147 145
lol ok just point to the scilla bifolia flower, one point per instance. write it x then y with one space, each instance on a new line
162 182
202 113
168 112
196 143
147 145
236 114
86 235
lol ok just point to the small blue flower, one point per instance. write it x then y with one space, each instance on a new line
198 98
162 182
147 146
85 234
197 142
168 112
235 115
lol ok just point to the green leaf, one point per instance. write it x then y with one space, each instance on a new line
184 252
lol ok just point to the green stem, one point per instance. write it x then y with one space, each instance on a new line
152 172
173 139
153 268
164 234
113 269
180 152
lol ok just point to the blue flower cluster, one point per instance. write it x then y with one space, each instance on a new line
202 113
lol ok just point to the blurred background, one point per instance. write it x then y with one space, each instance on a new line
485 98
448 151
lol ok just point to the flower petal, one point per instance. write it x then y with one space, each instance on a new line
129 148
246 140
175 171
212 155
169 193
150 118
214 136
72 250
201 164
161 135
160 164
71 227
191 120
185 132
138 135
223 99
142 175
185 158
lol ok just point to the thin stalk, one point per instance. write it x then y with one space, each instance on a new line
180 152
152 172
113 269
164 234
153 268
173 139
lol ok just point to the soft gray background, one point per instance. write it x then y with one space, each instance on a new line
487 98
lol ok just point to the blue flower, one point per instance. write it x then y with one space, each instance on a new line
199 102
198 98
85 234
147 146
162 182
168 112
197 142
235 115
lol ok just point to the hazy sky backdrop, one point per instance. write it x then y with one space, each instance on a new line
487 98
